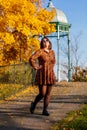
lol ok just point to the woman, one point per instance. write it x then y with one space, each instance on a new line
45 76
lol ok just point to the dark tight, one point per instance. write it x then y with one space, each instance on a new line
44 92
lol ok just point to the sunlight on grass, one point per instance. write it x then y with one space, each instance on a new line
76 120
7 90
10 91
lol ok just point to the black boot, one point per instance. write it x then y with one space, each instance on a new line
32 108
45 113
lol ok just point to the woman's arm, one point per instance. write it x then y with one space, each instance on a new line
53 61
33 58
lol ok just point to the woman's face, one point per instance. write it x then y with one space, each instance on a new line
46 43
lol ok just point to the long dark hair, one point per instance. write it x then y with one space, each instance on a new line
42 43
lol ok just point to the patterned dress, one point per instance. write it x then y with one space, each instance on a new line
45 75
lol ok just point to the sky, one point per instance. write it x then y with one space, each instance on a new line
76 13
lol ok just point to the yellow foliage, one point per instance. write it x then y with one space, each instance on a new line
8 38
28 18
44 15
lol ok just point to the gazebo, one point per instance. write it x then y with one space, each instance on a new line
62 30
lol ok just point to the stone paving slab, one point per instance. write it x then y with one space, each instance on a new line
15 115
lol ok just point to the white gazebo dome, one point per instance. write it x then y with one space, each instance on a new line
59 14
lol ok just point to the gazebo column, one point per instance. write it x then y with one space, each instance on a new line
58 55
69 65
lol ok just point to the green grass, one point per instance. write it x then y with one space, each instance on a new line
6 90
76 120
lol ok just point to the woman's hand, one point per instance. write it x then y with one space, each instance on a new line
38 67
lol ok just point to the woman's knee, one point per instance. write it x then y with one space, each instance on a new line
47 96
43 94
44 89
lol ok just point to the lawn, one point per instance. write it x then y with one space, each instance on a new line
10 91
76 120
6 90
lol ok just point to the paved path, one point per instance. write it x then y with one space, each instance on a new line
15 115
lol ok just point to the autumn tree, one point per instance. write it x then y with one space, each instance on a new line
20 22
81 75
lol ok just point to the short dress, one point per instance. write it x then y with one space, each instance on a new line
45 75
